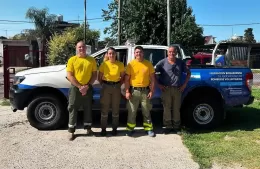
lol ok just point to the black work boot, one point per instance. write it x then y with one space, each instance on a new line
114 132
167 130
103 132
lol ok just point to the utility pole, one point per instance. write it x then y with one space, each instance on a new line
119 21
85 20
168 23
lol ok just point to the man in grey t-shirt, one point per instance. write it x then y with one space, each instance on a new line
169 81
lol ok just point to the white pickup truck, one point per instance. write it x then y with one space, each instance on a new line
44 91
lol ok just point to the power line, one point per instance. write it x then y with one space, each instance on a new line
1 20
90 19
83 20
238 24
11 23
17 22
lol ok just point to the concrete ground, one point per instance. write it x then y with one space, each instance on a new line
23 146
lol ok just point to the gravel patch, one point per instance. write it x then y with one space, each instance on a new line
23 146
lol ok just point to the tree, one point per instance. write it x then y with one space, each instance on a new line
62 46
45 23
27 34
3 37
249 36
107 42
146 22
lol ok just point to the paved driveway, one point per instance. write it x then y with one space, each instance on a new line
25 147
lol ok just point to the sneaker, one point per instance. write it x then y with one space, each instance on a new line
167 131
89 132
103 132
150 133
130 133
71 136
114 132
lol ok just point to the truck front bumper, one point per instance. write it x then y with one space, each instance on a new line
18 98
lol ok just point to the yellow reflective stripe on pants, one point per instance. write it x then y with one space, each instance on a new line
130 126
148 126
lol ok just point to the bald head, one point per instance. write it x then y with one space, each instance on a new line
81 49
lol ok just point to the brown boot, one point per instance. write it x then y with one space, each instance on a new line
71 136
89 132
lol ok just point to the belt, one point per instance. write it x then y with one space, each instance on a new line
140 88
110 83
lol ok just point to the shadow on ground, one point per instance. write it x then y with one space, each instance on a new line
157 119
245 119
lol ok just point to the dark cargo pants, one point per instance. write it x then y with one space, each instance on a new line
139 96
76 100
110 95
171 99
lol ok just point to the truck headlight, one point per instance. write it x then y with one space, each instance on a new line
18 80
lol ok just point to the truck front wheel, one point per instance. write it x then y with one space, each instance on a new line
206 113
46 112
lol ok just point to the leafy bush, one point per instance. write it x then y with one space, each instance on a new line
62 46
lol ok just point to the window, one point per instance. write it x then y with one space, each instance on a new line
121 56
154 55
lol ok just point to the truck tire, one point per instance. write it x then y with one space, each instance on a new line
46 112
204 113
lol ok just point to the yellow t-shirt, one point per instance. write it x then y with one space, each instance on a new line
140 73
111 71
82 68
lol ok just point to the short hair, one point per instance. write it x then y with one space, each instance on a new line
81 41
174 47
139 47
111 48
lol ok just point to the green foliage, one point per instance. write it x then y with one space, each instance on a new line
2 37
5 102
249 35
107 42
146 22
44 22
62 46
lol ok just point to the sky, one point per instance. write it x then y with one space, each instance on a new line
207 12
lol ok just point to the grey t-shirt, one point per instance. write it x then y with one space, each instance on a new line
170 75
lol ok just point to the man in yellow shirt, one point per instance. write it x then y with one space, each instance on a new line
111 76
139 85
81 72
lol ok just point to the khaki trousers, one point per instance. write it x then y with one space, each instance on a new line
139 96
171 99
76 100
110 95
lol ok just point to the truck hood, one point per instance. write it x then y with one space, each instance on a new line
46 69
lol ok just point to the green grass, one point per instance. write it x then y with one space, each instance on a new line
5 102
256 94
236 142
256 71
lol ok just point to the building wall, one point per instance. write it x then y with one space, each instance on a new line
17 49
